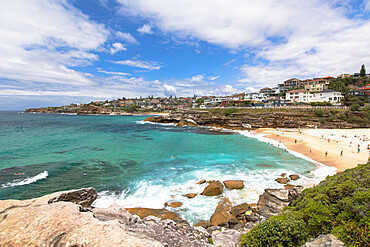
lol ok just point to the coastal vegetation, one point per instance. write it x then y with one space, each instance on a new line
339 205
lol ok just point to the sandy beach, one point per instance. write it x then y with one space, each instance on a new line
314 143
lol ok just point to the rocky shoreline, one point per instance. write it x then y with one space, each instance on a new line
68 219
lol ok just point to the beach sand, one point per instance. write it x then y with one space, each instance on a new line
314 143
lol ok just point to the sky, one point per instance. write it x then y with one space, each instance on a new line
55 53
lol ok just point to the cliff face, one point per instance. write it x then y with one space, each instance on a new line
251 120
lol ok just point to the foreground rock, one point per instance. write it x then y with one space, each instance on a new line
234 184
83 197
159 213
213 189
49 221
324 241
272 201
221 215
228 238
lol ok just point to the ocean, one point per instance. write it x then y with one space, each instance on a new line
138 164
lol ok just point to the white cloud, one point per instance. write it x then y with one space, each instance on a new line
145 29
212 78
284 38
31 35
112 72
169 90
116 47
127 37
197 78
150 65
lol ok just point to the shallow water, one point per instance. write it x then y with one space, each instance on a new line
131 162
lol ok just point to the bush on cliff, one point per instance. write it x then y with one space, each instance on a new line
339 205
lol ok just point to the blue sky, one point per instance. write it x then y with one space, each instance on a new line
58 52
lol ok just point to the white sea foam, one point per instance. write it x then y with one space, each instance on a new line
146 122
30 180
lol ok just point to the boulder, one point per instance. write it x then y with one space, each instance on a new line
283 174
289 186
204 224
114 212
173 204
221 215
227 238
190 195
159 213
213 189
202 181
234 184
252 217
282 180
242 208
272 201
294 176
324 241
84 197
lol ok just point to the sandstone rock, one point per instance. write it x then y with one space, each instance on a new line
283 174
36 222
159 213
324 241
204 224
202 181
190 195
213 189
221 215
289 186
173 204
252 217
114 212
242 208
294 177
228 238
234 184
83 197
272 201
282 180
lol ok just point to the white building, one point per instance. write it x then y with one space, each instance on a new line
328 96
299 95
257 97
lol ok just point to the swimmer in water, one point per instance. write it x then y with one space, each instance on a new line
85 173
174 156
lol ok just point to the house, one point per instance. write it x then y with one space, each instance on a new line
256 97
299 95
276 102
362 91
269 92
317 84
331 96
293 83
344 76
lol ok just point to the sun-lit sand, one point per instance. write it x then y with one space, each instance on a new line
314 143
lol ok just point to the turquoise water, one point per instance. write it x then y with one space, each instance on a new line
130 162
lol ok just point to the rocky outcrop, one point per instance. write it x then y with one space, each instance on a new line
221 215
227 238
272 201
234 184
173 204
159 213
213 189
37 222
201 181
83 197
324 241
191 195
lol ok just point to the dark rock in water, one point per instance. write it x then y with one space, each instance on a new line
294 177
83 197
234 184
272 201
173 204
228 238
221 215
201 181
213 189
282 180
191 195
324 241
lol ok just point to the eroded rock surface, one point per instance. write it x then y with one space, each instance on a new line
234 184
213 189
324 241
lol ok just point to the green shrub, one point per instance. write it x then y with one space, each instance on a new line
229 111
355 107
276 232
319 112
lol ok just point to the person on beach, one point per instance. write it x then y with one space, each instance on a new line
341 153
295 141
326 153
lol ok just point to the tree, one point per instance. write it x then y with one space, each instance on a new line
363 71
